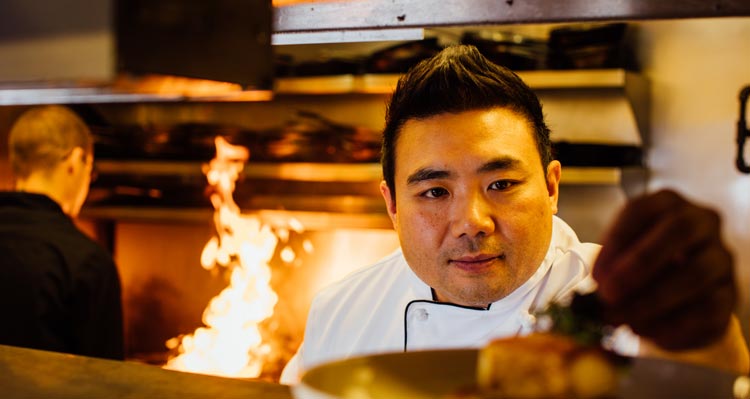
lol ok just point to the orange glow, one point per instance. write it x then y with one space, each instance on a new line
231 344
190 88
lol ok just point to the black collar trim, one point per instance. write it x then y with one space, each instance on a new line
434 302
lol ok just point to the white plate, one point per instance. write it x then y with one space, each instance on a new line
439 374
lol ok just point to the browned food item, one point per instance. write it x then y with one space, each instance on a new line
544 365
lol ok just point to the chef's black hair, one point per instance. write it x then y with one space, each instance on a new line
458 79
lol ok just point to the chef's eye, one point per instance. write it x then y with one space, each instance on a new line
435 192
501 185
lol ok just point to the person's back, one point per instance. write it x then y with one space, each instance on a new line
59 289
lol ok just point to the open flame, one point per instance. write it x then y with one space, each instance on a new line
231 344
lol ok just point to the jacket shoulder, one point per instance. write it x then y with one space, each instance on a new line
380 274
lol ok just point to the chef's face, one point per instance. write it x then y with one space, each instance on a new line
472 208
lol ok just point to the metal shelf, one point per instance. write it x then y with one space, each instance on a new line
386 83
273 218
294 171
318 172
395 14
316 85
314 211
155 89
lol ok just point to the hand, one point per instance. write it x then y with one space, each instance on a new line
664 271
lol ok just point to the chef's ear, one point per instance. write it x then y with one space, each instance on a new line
73 160
554 172
390 202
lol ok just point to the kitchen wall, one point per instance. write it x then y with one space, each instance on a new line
696 69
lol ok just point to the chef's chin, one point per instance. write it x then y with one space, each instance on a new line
471 295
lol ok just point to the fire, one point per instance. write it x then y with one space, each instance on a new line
231 344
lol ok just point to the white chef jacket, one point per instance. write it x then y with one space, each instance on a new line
387 308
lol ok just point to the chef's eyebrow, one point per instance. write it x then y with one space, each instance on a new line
503 163
426 174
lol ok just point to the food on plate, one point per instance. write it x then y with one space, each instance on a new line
545 365
562 358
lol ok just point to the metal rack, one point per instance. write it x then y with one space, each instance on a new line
306 185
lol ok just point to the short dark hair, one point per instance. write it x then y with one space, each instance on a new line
42 136
458 79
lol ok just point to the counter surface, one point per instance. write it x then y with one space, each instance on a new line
29 373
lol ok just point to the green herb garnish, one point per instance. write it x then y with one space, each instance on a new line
581 320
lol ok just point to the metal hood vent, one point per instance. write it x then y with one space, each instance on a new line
89 51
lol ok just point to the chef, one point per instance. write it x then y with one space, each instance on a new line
59 289
472 190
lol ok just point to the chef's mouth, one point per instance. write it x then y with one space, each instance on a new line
476 261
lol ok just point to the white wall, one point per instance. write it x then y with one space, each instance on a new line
696 69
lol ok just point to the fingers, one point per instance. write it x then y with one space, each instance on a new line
685 284
664 271
676 238
636 217
693 326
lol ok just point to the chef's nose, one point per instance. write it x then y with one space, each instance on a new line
472 216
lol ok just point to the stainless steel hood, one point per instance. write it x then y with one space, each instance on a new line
79 51
308 16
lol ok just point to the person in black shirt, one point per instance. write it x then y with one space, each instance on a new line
59 290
